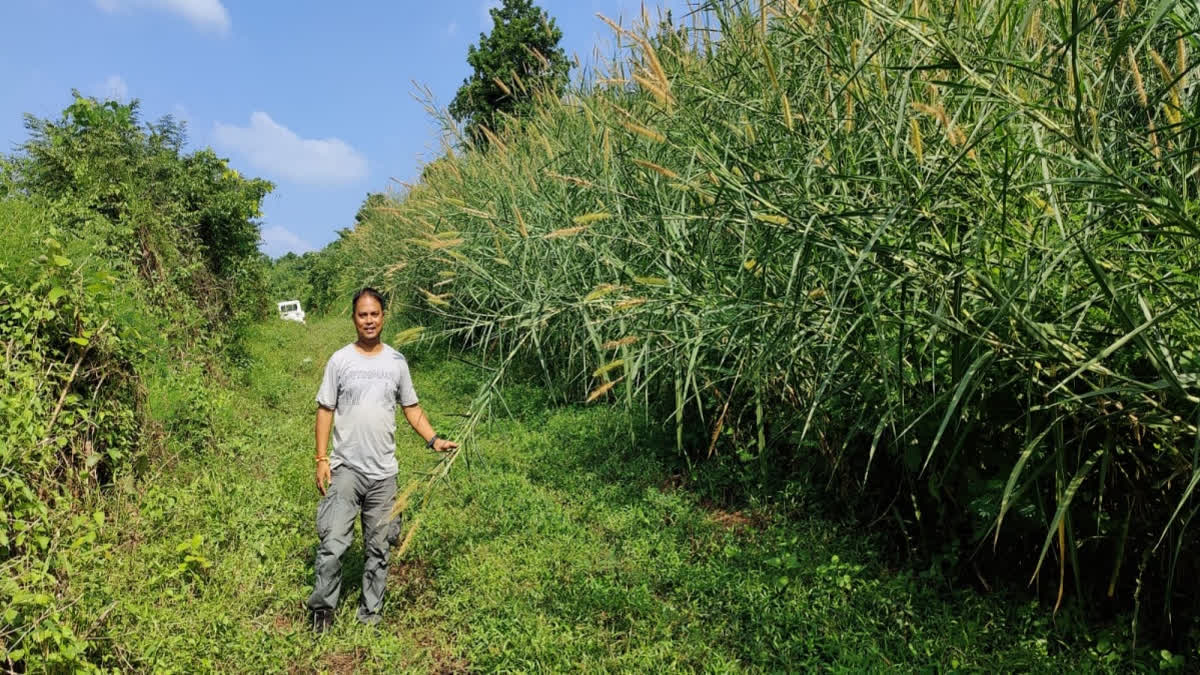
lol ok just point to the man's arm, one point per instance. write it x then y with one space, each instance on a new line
324 424
420 424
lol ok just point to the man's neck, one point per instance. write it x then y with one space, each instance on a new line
368 346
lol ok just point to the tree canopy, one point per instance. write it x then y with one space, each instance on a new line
182 219
517 61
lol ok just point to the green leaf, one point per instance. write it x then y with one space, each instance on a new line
55 293
60 261
82 342
1063 502
967 383
1006 498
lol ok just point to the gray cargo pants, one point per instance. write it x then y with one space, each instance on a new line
349 494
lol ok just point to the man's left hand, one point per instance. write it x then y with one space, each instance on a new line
443 445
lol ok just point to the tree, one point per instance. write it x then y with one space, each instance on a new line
185 222
517 61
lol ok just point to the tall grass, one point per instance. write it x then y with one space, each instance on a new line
943 251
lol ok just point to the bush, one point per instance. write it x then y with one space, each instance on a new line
126 264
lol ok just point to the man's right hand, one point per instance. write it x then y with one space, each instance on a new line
324 477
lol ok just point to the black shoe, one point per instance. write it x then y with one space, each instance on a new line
366 618
322 620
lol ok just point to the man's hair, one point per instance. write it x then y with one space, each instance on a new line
369 292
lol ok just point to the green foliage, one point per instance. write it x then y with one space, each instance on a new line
287 278
128 270
69 402
184 222
327 277
940 259
373 201
7 180
514 65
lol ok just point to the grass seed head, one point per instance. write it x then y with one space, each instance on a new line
565 232
436 244
772 218
629 304
520 222
477 213
608 367
644 131
401 503
622 342
1138 85
589 218
601 291
1172 109
1181 60
653 87
603 389
915 139
645 164
435 299
393 269
407 336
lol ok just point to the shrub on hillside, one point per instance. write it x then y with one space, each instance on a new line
125 263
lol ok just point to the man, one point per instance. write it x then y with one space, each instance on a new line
363 382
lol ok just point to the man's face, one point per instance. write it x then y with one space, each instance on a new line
368 318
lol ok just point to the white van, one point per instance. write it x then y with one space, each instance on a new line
289 310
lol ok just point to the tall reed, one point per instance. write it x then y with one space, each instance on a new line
946 251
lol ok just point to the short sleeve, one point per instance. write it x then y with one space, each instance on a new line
328 393
405 393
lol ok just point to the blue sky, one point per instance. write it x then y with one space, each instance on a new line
317 96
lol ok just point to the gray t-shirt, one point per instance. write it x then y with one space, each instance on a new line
362 391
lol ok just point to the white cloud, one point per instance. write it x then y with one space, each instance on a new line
203 14
114 89
452 28
274 148
278 240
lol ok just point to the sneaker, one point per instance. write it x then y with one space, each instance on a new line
322 620
367 618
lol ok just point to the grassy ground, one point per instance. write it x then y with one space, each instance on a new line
564 546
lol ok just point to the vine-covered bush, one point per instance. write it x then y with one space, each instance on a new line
126 263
